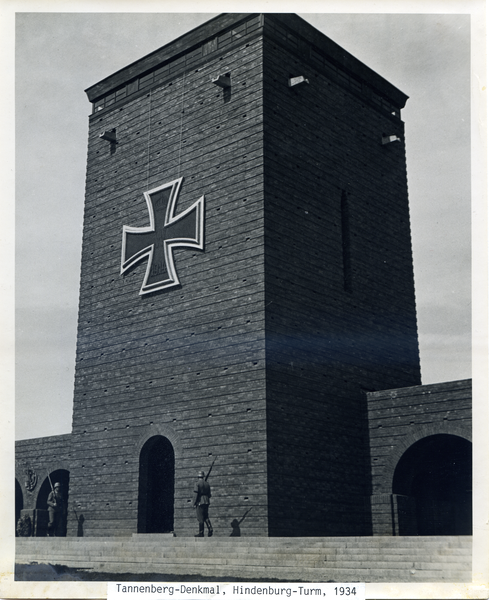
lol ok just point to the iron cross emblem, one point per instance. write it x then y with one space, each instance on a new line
165 232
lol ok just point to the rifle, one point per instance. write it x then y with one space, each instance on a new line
209 472
52 488
50 483
244 516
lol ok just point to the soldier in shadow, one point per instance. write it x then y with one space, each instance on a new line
235 524
79 519
202 494
56 512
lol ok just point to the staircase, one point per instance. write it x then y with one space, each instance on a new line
341 559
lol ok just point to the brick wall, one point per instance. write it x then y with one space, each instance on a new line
188 362
400 418
330 334
39 464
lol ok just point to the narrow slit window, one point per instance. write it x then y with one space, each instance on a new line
345 241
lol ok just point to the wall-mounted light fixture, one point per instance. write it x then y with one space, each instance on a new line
109 136
297 80
388 139
223 80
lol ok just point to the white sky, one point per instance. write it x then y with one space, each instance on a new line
58 55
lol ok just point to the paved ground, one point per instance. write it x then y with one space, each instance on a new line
40 572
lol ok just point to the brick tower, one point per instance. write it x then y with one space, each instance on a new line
246 278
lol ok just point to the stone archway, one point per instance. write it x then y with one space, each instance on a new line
61 476
156 486
19 501
436 472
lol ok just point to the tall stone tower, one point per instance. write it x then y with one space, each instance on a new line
246 278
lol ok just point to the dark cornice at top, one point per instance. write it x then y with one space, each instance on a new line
340 56
207 31
185 42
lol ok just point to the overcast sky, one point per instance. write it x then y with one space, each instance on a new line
58 55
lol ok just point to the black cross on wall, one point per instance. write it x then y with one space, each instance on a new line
165 232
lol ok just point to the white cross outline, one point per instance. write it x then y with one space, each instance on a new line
197 242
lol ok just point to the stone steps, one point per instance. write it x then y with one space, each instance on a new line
316 560
369 559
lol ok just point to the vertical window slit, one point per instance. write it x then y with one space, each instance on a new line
345 240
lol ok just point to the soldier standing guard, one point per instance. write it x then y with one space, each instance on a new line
56 511
202 494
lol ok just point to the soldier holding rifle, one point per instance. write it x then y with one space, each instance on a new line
202 494
56 509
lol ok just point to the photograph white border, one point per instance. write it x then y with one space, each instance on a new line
479 587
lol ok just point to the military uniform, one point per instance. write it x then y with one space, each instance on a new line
56 511
202 494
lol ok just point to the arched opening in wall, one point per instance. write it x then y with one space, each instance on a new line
19 501
156 486
61 476
437 472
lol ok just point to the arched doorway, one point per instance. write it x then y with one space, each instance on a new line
59 476
437 472
156 486
19 502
